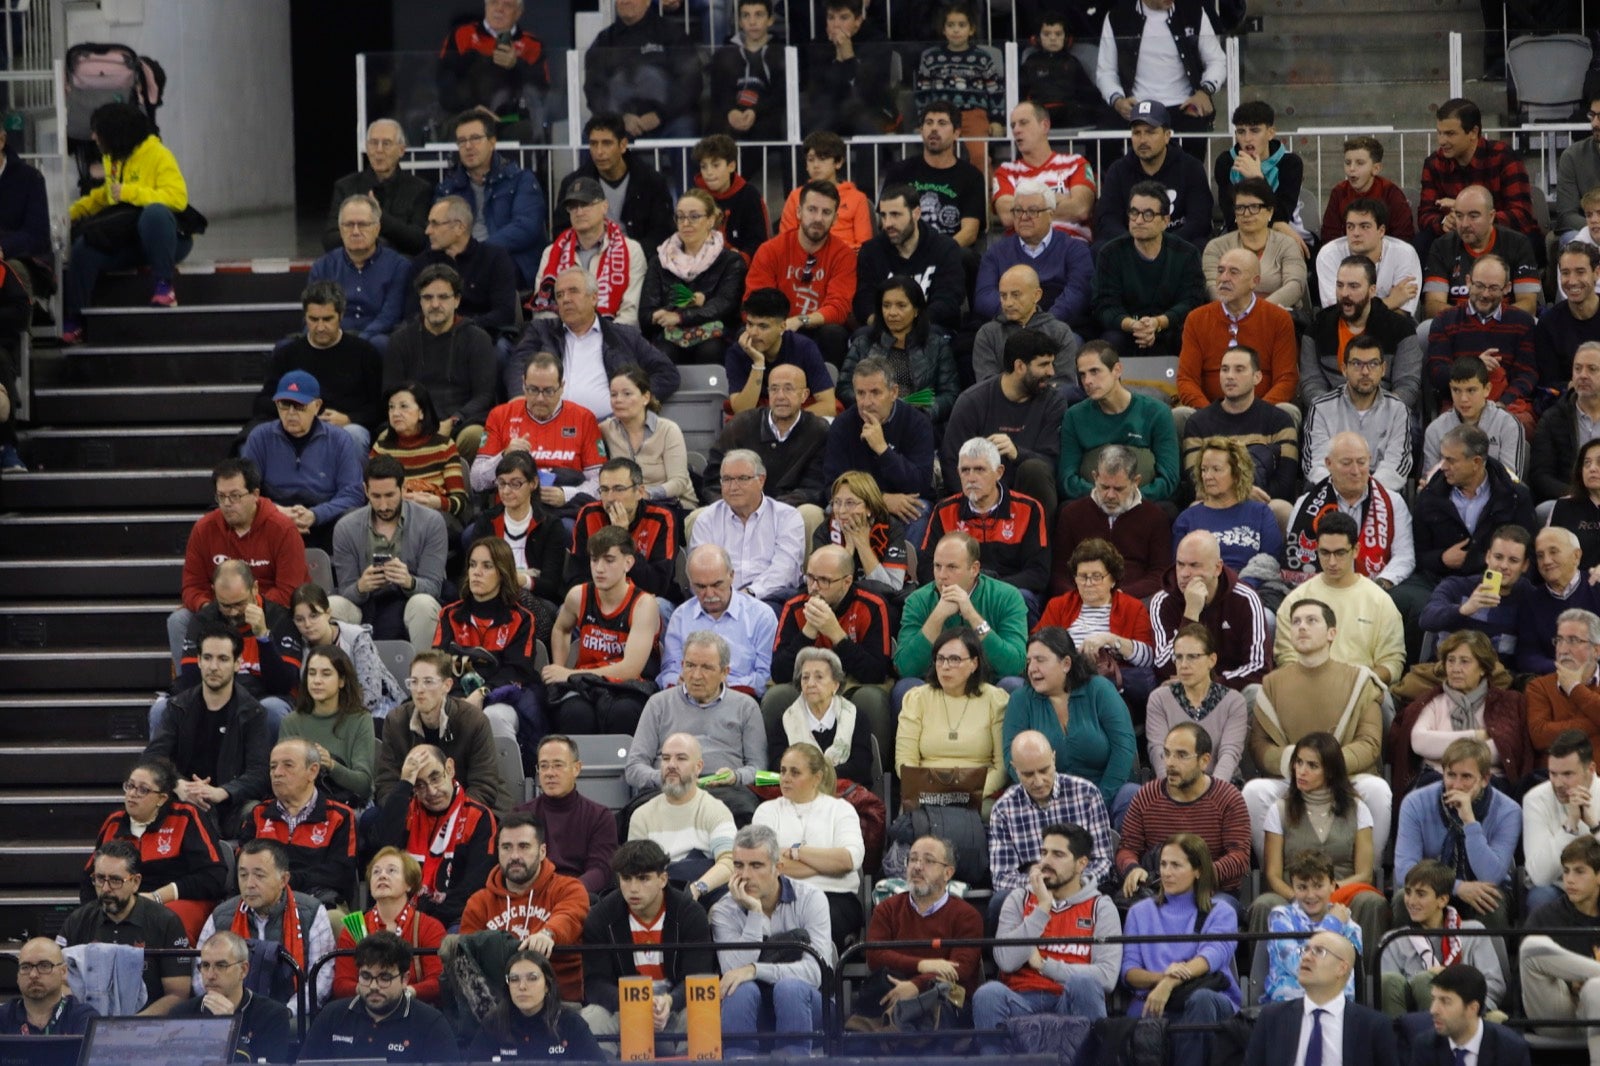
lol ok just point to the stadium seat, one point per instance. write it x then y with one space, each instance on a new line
397 656
1547 73
508 757
320 569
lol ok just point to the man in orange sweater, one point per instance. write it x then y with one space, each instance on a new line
1568 698
528 899
815 269
1238 316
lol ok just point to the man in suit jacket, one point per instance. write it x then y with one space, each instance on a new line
1458 995
1324 1028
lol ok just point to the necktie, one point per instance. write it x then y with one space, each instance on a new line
1314 1045
1461 1056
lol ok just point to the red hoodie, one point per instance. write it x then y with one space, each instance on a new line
272 546
554 903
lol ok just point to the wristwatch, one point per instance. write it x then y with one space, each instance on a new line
700 889
982 629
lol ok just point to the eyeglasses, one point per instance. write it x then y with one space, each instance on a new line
102 881
1592 115
1571 642
232 497
382 980
809 270
923 860
1093 578
43 969
952 660
415 683
683 216
1333 553
1249 210
537 390
470 140
737 479
1363 364
289 405
517 980
1136 215
1478 286
1028 212
217 967
133 788
511 484
825 582
232 608
617 490
1321 951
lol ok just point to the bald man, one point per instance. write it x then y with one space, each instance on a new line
1386 553
1562 582
1447 270
1198 588
1238 317
1044 796
1020 294
404 197
46 1006
1344 1032
692 826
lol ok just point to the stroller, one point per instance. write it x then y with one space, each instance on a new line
102 74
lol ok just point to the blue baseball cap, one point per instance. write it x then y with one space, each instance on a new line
1150 113
297 386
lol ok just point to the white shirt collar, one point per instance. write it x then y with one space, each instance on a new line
1472 1046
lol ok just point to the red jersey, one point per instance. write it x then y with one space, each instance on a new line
475 38
571 438
602 637
1062 172
1076 923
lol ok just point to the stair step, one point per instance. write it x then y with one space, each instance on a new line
161 364
101 489
98 717
55 534
216 287
53 863
90 624
126 448
148 576
143 405
188 324
34 912
68 764
146 669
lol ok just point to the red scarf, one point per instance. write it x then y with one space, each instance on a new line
1372 548
611 271
406 927
1449 949
432 838
292 942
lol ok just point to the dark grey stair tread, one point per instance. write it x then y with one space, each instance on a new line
143 576
143 405
186 310
100 488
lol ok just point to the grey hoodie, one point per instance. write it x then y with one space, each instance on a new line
1402 957
1105 959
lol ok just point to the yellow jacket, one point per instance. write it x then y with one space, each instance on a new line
149 176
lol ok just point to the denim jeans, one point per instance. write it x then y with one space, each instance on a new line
159 246
788 1006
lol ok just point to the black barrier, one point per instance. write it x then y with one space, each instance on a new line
825 1035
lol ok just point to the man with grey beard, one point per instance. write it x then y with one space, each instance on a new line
692 826
925 911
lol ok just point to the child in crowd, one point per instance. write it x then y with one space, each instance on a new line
1409 962
1310 874
1053 78
745 223
824 160
967 76
1257 153
1363 178
747 78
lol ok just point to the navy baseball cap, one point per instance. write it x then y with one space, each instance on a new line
1150 113
297 386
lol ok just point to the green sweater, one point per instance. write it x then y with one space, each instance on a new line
349 780
1145 426
999 604
1127 285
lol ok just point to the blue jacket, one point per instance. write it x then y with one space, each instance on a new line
374 295
906 466
513 210
71 1018
324 474
1066 274
1491 843
24 209
1443 615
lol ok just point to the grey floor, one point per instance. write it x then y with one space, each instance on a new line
268 235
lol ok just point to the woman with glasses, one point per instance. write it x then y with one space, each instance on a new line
1283 264
860 523
1194 696
435 478
823 717
393 878
328 713
1080 713
1111 627
635 430
918 352
692 288
819 834
449 723
529 1022
1224 475
955 719
178 857
534 534
311 625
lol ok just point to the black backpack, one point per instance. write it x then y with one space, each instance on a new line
961 826
1123 1041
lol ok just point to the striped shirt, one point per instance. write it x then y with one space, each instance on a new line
432 466
1219 817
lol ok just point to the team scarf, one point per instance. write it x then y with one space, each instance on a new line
433 838
1377 531
611 275
1449 949
292 941
407 926
1269 166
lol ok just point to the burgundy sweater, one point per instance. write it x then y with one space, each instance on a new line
1143 536
581 837
896 919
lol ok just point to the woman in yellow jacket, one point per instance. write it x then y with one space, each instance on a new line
142 173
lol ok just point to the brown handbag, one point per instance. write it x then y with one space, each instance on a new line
943 786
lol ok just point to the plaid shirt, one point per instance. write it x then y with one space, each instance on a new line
1496 168
1016 825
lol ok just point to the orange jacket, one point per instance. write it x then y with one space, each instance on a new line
554 903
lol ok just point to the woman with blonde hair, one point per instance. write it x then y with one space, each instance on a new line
859 522
1226 504
393 879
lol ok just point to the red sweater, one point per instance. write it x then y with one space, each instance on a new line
1402 226
779 263
1219 817
272 546
1266 327
554 903
1129 617
422 931
896 919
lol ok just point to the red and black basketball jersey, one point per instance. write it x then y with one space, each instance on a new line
602 637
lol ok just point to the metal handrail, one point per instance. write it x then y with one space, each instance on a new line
301 980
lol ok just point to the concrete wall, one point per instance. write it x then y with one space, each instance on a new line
229 109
